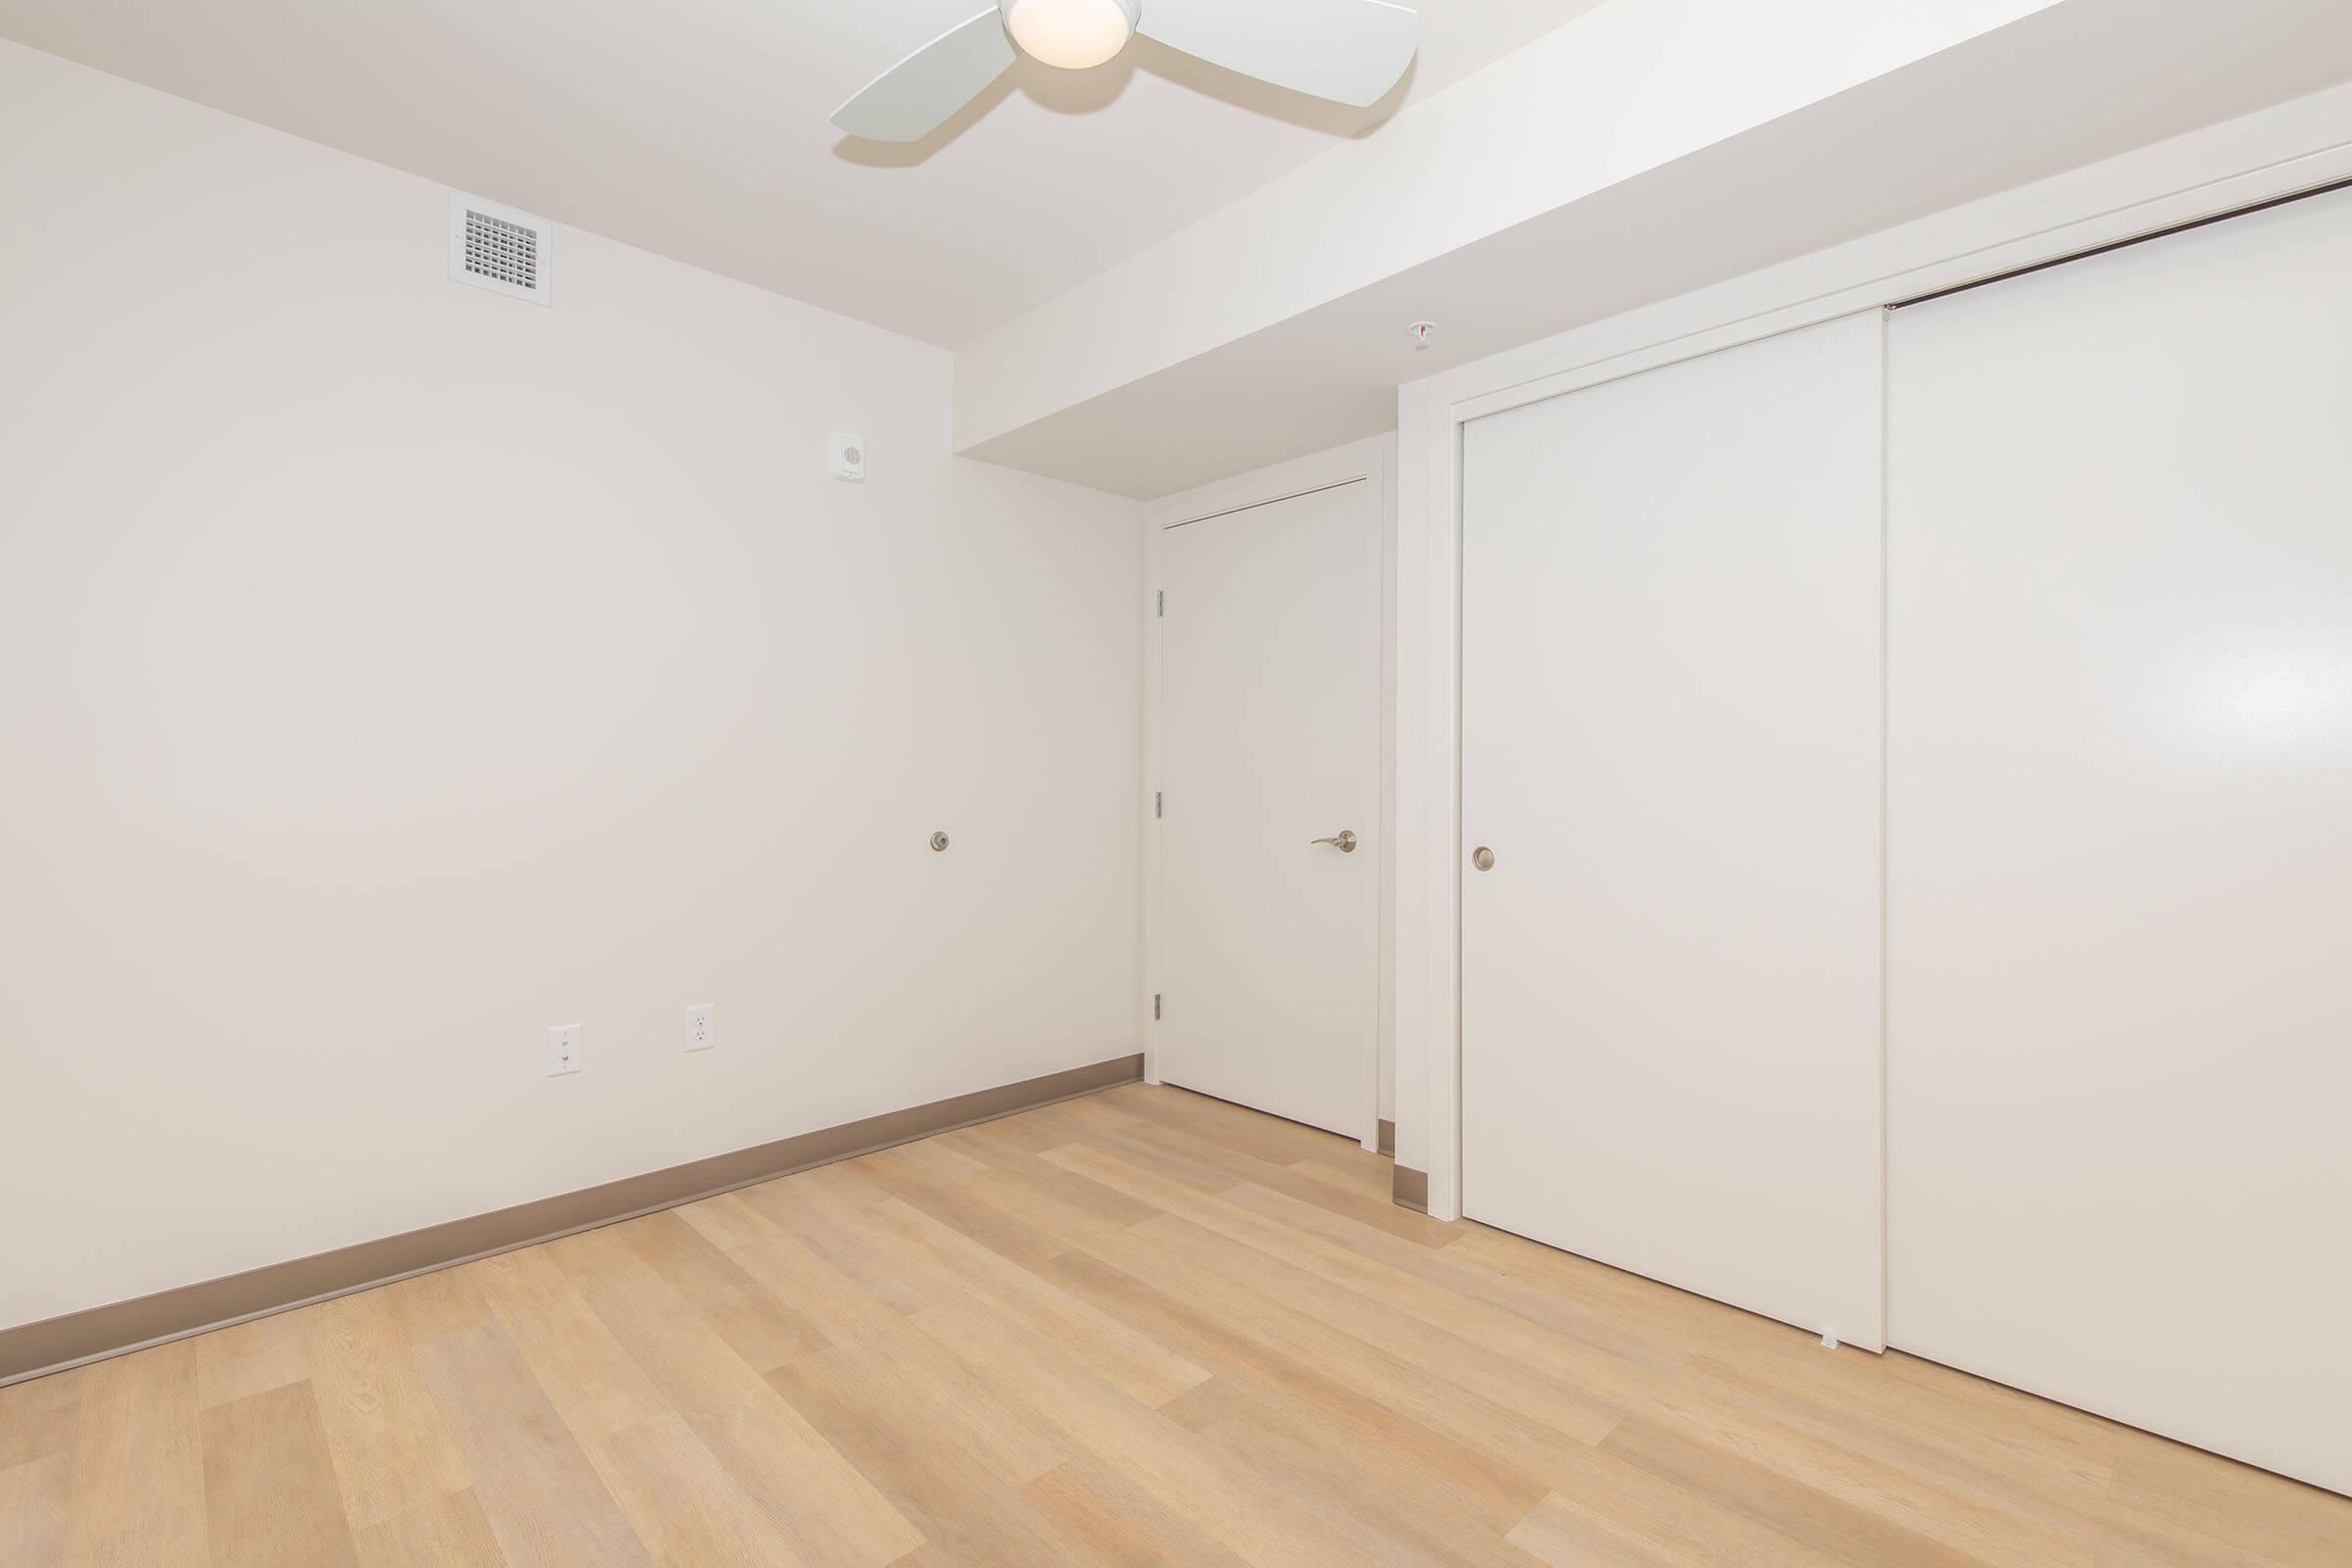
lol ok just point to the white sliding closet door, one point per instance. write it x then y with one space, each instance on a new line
2120 917
1671 742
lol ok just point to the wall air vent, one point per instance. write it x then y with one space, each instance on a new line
498 248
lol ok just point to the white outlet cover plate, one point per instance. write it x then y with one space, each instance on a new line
702 1025
563 1049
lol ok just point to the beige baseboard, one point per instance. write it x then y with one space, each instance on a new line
54 1344
1409 1188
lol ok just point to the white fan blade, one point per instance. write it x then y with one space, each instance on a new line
914 97
1350 51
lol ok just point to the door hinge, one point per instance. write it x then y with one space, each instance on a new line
1158 804
1155 1007
1163 601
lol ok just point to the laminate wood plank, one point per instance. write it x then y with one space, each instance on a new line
137 1484
1116 1524
830 1512
543 1499
760 1329
38 1417
726 1221
1835 1529
250 1358
1518 1446
390 1449
269 1484
1351 1396
2167 1484
33 1511
1350 1169
1164 1158
1936 1504
1540 1397
447 1531
1128 1361
988 1142
2018 1488
1043 1212
837 1188
927 1466
832 1217
1269 1140
2169 1492
1145 1327
1183 1155
1371 1482
684 1504
1010 1162
955 1393
1566 1533
1086 1116
592 1382
962 1208
1613 1289
1650 1508
1380 1212
1637 1339
432 1306
928 1159
1601 1373
1250 1514
1880 1490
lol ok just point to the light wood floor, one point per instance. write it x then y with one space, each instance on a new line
1139 1327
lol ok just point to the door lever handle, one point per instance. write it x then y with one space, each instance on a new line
1344 838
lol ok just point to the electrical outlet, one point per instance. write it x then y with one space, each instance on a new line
563 1049
702 1025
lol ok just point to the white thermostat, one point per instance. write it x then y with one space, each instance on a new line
848 458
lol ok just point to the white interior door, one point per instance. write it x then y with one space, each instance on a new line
1270 740
1671 742
2120 784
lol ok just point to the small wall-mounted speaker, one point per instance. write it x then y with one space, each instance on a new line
847 458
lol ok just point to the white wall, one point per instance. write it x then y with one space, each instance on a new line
389 669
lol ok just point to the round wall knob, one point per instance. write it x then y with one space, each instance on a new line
939 841
1483 858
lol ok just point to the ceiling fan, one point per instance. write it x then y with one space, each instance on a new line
1350 51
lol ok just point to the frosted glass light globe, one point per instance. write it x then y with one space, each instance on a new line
1071 33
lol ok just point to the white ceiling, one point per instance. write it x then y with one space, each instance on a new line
700 130
2077 83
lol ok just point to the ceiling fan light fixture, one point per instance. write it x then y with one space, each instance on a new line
1072 35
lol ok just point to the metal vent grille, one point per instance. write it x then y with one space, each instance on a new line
497 248
500 250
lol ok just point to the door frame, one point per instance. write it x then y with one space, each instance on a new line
1372 463
2286 150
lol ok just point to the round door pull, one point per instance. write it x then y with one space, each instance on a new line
1483 858
939 841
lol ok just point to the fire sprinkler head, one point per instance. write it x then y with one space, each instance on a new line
1419 332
